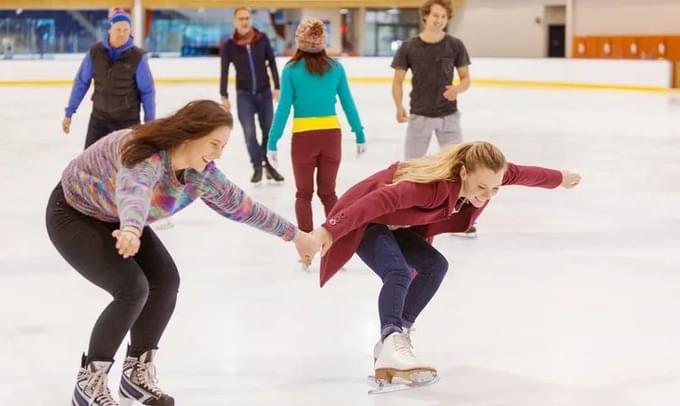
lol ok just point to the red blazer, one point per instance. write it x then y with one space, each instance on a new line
428 208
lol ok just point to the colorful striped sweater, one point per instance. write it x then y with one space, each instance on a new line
96 184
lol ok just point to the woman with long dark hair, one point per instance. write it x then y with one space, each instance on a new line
97 218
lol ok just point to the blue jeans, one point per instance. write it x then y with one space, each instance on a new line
248 105
393 255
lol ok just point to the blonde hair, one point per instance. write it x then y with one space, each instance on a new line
446 164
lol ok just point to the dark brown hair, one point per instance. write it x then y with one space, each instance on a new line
426 7
317 63
193 121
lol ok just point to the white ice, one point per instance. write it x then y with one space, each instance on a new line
566 298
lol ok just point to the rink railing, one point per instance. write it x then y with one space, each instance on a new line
637 75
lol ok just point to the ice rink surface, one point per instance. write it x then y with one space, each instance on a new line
566 298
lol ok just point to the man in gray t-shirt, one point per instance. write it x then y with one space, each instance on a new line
432 58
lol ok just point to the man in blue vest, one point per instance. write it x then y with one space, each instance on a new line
122 82
250 52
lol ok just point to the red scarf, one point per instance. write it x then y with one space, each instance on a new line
247 39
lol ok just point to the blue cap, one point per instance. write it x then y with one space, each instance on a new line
119 15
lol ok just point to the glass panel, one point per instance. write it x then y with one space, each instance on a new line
386 29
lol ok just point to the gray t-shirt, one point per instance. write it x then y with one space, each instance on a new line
432 67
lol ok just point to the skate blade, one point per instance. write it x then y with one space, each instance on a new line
418 379
273 182
469 236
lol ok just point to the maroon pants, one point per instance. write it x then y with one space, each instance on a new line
318 150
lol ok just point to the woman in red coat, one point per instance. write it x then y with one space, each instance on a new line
388 218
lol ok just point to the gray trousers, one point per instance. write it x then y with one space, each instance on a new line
419 132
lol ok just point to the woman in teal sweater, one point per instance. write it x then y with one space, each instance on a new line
311 88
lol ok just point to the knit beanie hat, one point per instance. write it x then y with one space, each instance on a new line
310 36
119 15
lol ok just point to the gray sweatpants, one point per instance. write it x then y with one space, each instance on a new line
419 132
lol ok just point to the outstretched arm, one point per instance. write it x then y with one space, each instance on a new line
230 201
227 199
536 176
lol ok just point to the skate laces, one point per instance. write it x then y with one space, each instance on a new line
407 334
99 384
402 345
146 375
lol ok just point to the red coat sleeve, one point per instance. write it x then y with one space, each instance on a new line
384 200
532 176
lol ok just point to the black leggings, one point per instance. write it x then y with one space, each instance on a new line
144 287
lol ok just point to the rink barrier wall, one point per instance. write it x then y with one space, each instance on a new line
633 75
370 80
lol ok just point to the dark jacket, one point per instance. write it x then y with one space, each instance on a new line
122 79
251 65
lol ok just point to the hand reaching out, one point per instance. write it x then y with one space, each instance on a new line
570 180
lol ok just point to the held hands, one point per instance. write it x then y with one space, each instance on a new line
451 93
307 246
570 180
275 95
127 241
324 238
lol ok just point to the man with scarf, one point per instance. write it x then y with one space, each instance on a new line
122 82
250 52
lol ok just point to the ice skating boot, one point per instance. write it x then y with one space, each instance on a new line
92 386
139 383
397 367
378 346
272 174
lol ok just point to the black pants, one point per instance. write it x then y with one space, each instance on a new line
144 287
99 127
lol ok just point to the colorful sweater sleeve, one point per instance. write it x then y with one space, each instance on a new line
384 200
347 101
282 110
81 84
133 191
146 89
230 201
532 176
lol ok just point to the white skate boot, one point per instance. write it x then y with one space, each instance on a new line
139 383
397 368
92 387
378 346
